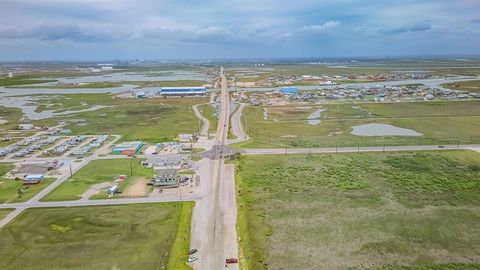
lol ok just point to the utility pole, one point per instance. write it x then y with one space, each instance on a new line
131 168
180 189
286 145
70 166
191 150
199 126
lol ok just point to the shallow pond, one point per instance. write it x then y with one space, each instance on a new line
28 106
313 118
382 130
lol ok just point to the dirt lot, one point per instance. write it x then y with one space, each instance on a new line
95 189
137 189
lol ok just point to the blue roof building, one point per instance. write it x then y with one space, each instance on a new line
183 91
288 90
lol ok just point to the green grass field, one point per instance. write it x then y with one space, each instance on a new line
9 187
12 115
145 236
21 80
106 84
151 120
4 143
100 171
181 245
72 86
4 213
417 210
439 122
469 86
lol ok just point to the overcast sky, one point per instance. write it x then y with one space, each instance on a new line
160 29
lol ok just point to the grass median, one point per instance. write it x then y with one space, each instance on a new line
208 112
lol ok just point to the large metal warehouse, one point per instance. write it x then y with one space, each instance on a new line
183 91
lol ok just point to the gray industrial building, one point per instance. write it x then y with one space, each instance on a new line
166 178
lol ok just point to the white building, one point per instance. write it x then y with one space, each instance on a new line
25 126
33 179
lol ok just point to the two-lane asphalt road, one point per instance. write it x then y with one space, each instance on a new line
214 217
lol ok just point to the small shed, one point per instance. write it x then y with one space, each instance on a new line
112 190
184 138
25 126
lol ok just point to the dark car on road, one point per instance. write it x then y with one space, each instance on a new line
231 260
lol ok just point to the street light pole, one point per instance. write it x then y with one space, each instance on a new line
131 167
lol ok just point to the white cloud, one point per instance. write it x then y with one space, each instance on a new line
322 27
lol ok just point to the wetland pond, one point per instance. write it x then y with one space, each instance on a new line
382 130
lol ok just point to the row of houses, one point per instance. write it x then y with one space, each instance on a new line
65 146
378 93
333 80
36 146
9 149
95 143
30 143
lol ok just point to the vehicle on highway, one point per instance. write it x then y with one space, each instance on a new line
441 146
192 251
192 258
231 260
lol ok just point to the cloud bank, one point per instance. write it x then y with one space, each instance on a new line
102 29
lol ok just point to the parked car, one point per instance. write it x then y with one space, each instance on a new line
192 251
231 260
192 258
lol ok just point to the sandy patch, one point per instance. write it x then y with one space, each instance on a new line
137 189
265 114
150 150
95 189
